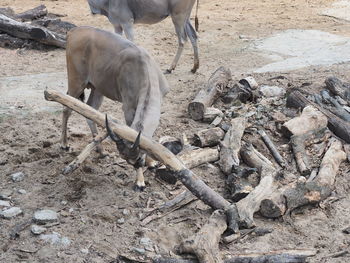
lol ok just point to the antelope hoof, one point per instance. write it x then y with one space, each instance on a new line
168 71
139 188
194 70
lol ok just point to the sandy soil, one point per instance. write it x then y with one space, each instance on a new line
94 197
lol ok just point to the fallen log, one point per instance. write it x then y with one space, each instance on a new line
251 204
310 119
289 197
205 243
211 113
191 159
208 137
206 96
32 14
338 126
154 149
231 145
26 31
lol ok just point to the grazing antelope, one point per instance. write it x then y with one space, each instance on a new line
124 13
116 68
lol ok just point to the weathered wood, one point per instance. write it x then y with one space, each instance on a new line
271 146
85 153
191 159
337 87
305 192
330 164
32 14
168 207
299 142
208 137
251 204
310 119
338 126
207 95
231 145
26 31
205 243
154 149
279 256
211 113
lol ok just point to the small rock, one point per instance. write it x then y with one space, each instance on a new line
5 194
11 212
37 230
45 216
71 210
17 177
84 251
22 191
4 203
47 144
139 250
147 243
121 221
126 212
55 239
272 91
63 202
347 230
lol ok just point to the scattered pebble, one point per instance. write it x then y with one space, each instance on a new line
4 203
139 250
37 230
11 212
126 212
22 191
121 221
63 202
84 251
56 239
17 177
5 194
45 216
147 243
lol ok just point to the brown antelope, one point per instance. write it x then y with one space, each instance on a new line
116 68
124 13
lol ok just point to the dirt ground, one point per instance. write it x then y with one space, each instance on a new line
94 200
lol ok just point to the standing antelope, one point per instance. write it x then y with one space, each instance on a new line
114 67
124 13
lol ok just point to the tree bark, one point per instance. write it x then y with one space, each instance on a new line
206 96
32 14
26 31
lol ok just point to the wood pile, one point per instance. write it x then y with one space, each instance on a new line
34 29
276 159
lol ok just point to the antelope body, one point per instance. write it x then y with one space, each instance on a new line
124 13
116 68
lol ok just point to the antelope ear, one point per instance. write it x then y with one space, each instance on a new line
136 144
111 134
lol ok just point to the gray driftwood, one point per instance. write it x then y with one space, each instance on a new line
209 137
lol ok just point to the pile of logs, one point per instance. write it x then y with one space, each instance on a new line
264 175
35 28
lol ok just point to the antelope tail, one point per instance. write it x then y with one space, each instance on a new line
196 21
